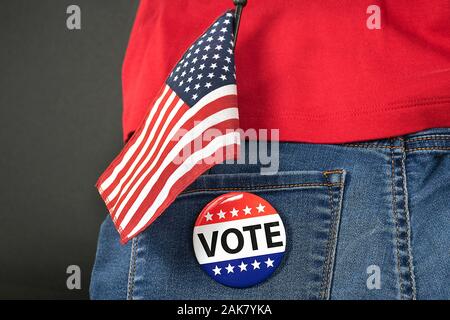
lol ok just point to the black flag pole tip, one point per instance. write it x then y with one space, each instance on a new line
240 4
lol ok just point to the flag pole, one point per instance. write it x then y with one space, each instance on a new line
240 4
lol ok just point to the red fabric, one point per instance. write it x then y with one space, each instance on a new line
310 68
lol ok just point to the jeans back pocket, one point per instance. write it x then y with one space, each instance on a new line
309 203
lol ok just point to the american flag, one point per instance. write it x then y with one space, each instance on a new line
174 144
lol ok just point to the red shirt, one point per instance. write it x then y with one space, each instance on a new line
313 69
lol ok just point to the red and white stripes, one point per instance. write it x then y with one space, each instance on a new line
145 178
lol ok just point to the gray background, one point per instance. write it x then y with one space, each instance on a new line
60 125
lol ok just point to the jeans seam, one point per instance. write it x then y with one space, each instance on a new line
429 138
402 224
132 270
397 232
370 146
326 283
428 148
262 187
326 263
408 228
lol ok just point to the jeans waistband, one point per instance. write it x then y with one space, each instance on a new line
436 138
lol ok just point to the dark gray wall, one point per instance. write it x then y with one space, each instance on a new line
60 125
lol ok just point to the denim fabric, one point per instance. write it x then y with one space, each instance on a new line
353 213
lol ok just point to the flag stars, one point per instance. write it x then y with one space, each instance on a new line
208 216
260 208
206 59
256 264
216 270
230 268
243 266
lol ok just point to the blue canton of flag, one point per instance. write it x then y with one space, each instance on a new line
208 64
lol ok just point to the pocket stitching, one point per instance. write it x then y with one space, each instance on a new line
132 271
262 187
332 238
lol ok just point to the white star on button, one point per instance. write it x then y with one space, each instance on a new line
221 214
208 216
243 266
256 264
230 268
247 210
269 262
260 208
216 270
234 212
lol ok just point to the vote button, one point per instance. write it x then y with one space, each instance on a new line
239 239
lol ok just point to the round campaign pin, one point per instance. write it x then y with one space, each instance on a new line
239 239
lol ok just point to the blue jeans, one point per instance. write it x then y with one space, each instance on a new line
367 220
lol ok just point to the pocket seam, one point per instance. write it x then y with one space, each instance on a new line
262 187
132 270
335 208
